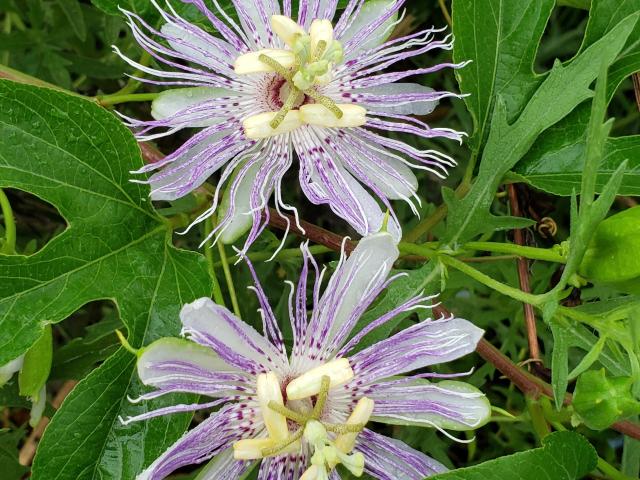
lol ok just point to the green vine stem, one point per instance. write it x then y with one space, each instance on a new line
115 99
9 247
229 279
208 253
283 254
533 253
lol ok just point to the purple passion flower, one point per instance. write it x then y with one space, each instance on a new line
267 86
303 413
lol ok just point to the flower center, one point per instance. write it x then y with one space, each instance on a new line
304 67
307 415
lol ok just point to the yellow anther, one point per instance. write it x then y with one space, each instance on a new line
339 372
310 473
251 63
360 415
317 114
259 126
251 448
257 448
320 31
286 29
269 391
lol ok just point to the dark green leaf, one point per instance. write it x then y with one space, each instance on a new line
80 355
563 456
507 143
501 37
73 12
77 156
11 468
559 364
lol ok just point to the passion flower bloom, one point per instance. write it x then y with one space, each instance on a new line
269 86
305 412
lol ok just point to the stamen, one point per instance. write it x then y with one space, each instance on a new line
279 447
259 126
359 417
320 49
322 397
286 29
310 383
325 102
252 62
292 99
269 393
276 66
299 418
343 428
251 448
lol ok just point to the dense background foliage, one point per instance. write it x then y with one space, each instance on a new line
92 254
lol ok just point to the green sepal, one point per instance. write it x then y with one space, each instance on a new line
599 400
37 365
612 255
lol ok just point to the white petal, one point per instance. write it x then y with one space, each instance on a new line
170 102
392 105
369 12
199 46
390 459
37 408
348 199
241 219
365 270
167 186
223 467
447 404
390 175
233 339
8 369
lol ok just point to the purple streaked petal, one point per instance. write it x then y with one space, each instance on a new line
375 29
426 343
209 438
284 467
224 467
171 102
235 207
405 98
226 32
363 272
376 168
390 459
176 364
325 181
368 13
160 412
411 304
448 404
192 169
235 341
